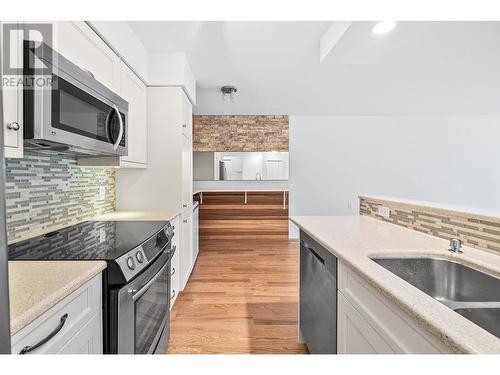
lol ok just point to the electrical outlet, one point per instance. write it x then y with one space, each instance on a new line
102 235
384 211
102 193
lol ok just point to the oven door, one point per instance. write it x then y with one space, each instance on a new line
144 311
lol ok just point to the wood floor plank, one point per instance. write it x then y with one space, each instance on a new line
241 298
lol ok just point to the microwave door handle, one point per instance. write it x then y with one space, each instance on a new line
120 133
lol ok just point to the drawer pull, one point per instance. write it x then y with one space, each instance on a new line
173 295
30 348
173 272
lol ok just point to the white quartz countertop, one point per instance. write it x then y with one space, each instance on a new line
137 216
36 286
355 239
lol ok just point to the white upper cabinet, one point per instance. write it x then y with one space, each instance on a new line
187 172
187 117
134 91
76 41
13 101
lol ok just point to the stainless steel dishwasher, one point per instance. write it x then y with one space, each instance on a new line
318 297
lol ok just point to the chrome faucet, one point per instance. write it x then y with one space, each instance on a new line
455 245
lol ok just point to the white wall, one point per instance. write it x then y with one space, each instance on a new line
446 159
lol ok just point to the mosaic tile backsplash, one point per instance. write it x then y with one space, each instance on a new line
474 230
47 192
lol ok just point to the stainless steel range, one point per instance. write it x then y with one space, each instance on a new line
136 283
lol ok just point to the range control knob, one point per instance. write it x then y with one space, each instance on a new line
139 257
131 263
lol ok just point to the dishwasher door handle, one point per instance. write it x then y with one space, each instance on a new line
318 257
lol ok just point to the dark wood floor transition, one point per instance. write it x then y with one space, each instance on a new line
242 295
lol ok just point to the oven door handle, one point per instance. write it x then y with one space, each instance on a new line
136 294
120 133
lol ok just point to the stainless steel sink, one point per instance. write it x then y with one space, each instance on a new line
445 280
488 319
471 293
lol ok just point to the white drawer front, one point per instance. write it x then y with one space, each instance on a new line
80 306
88 340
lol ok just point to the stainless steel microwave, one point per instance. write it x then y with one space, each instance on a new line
66 110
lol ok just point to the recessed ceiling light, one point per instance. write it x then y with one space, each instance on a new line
383 27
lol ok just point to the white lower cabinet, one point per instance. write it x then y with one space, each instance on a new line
195 245
187 260
368 322
72 326
354 334
175 280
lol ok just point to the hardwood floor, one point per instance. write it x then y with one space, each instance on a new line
241 298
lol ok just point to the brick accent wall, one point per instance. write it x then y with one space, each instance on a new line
474 230
240 133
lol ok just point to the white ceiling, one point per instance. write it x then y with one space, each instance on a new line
418 68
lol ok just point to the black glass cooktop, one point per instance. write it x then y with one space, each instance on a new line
90 240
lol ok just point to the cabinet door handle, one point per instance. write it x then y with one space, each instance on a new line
185 220
13 126
30 348
184 125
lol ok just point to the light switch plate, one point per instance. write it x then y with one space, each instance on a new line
102 235
384 211
102 193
